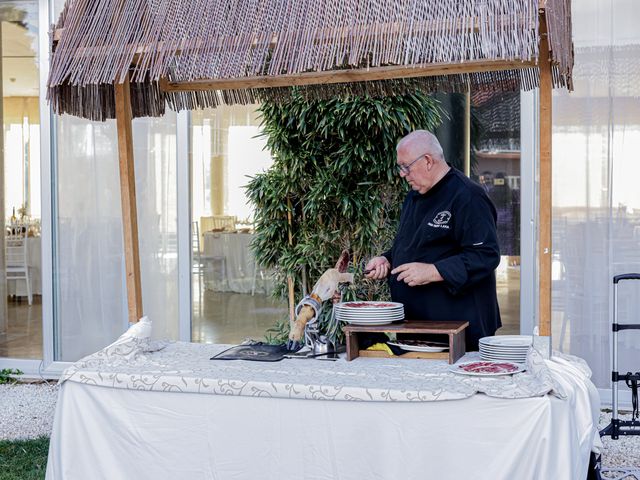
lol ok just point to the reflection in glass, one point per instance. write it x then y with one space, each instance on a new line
596 199
231 294
91 308
21 317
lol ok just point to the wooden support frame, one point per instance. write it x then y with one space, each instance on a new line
126 159
545 205
345 76
128 199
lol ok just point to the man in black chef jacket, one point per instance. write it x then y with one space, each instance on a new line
446 249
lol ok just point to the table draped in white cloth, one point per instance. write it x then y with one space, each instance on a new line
229 264
140 409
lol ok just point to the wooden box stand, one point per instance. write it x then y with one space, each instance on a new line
410 329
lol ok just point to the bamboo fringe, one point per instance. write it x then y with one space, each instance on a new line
102 41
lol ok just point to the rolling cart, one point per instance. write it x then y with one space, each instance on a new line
619 427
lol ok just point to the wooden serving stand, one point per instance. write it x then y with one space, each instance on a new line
410 329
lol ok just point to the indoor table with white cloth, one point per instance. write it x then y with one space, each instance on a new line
229 264
152 409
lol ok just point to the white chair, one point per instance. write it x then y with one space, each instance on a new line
203 262
16 260
219 223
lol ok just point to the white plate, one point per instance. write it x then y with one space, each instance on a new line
504 359
458 368
376 306
511 354
362 323
415 348
506 341
505 347
368 314
483 355
370 319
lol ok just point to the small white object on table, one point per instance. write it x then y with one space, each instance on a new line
129 412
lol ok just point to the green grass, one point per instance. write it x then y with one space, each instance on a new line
23 459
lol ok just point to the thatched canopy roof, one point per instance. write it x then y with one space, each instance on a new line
201 53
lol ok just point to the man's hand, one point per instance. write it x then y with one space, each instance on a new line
378 268
416 273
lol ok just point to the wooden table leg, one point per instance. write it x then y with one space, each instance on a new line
353 350
458 348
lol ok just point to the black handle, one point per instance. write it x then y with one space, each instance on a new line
626 276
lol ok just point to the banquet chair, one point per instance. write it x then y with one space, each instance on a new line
196 250
219 223
203 262
16 260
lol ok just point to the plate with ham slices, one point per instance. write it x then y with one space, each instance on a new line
369 312
487 369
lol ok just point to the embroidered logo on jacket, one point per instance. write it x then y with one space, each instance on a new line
441 220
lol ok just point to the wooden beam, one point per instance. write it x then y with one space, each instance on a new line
290 282
345 76
545 207
128 199
467 133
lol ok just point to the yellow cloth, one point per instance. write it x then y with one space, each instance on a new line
380 347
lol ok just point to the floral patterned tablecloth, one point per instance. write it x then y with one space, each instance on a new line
135 362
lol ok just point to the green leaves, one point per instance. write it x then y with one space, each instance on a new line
335 165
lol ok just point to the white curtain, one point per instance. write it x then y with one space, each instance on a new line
90 296
596 193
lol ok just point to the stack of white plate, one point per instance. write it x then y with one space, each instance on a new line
369 313
505 348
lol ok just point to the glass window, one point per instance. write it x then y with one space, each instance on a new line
494 162
231 294
596 200
90 288
21 316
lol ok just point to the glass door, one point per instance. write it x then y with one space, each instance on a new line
492 158
20 201
498 161
231 297
90 294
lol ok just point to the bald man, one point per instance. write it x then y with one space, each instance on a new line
445 253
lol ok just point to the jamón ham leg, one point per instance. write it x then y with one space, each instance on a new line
324 289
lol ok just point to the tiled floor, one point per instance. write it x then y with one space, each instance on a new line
23 337
227 317
233 317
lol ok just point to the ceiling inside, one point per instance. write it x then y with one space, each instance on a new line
19 61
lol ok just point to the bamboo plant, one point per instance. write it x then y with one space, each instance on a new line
333 186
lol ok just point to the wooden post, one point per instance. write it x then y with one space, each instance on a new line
128 199
545 207
467 132
290 284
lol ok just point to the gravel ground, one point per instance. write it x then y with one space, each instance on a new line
26 411
623 453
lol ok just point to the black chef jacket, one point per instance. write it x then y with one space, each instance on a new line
453 226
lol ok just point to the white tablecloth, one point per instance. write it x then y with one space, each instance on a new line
34 261
143 418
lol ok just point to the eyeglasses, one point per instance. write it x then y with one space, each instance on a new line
406 169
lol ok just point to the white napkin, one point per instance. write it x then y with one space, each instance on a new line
132 344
